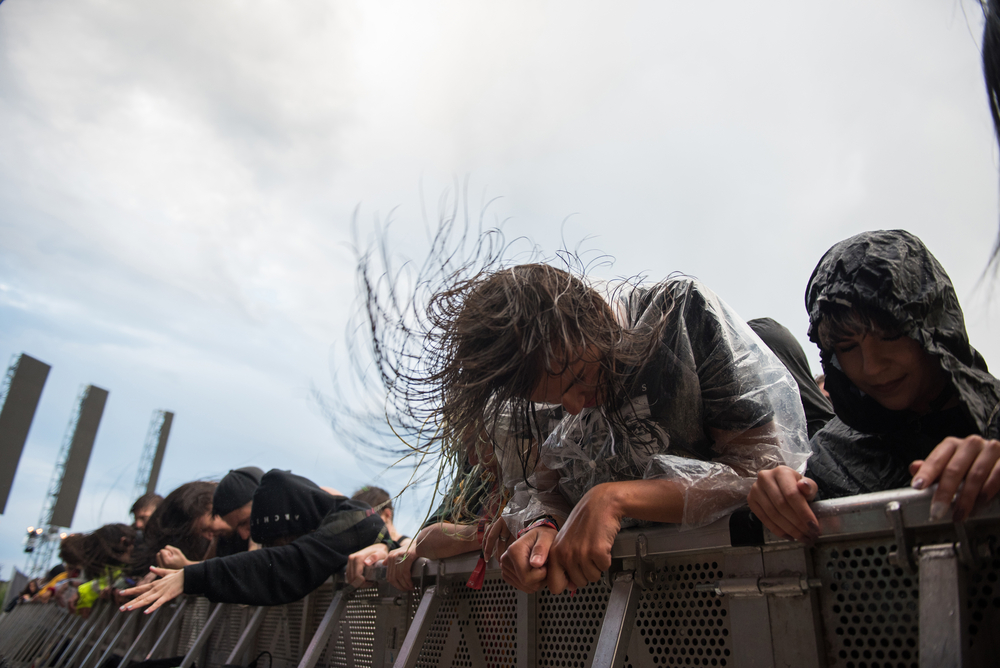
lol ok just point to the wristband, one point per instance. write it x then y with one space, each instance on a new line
541 522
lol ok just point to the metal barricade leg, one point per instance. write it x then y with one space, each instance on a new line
247 636
61 641
422 620
33 637
53 627
95 651
612 644
56 638
171 626
22 630
326 626
203 636
942 627
147 629
130 619
99 619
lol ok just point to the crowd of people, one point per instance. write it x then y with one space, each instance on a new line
569 409
253 537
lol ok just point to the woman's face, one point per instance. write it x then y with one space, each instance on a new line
896 372
209 526
575 387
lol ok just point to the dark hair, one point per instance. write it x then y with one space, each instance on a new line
462 339
72 550
376 497
504 331
151 499
838 322
173 523
106 548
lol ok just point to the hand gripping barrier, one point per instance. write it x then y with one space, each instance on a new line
884 586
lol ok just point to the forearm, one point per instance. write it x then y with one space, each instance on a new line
270 576
443 540
651 500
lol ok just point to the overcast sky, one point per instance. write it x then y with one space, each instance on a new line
178 181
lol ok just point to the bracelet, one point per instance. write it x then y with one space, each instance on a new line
546 521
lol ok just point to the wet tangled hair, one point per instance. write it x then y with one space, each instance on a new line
461 340
173 523
506 329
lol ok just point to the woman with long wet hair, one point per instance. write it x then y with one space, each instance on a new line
672 403
183 520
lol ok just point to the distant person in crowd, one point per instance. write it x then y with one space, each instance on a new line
306 535
381 501
821 383
915 402
143 508
783 343
26 594
184 520
231 504
72 551
105 553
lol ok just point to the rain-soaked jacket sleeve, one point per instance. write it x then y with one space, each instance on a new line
712 408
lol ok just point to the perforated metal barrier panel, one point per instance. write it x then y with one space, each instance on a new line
568 626
854 600
870 607
678 625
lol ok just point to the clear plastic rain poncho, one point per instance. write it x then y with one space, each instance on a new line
711 408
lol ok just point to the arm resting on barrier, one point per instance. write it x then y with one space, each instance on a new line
582 549
437 541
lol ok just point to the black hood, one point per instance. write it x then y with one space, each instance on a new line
286 504
893 271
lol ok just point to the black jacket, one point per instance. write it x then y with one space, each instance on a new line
782 343
868 448
287 505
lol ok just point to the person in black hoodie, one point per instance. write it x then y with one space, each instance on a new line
914 400
307 534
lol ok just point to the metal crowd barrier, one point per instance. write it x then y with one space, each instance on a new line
883 587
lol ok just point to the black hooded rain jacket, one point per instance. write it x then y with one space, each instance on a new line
868 448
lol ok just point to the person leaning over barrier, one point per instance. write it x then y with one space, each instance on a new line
914 400
231 503
307 535
673 407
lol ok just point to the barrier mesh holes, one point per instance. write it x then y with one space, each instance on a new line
359 622
473 622
983 604
568 626
494 613
680 626
869 606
